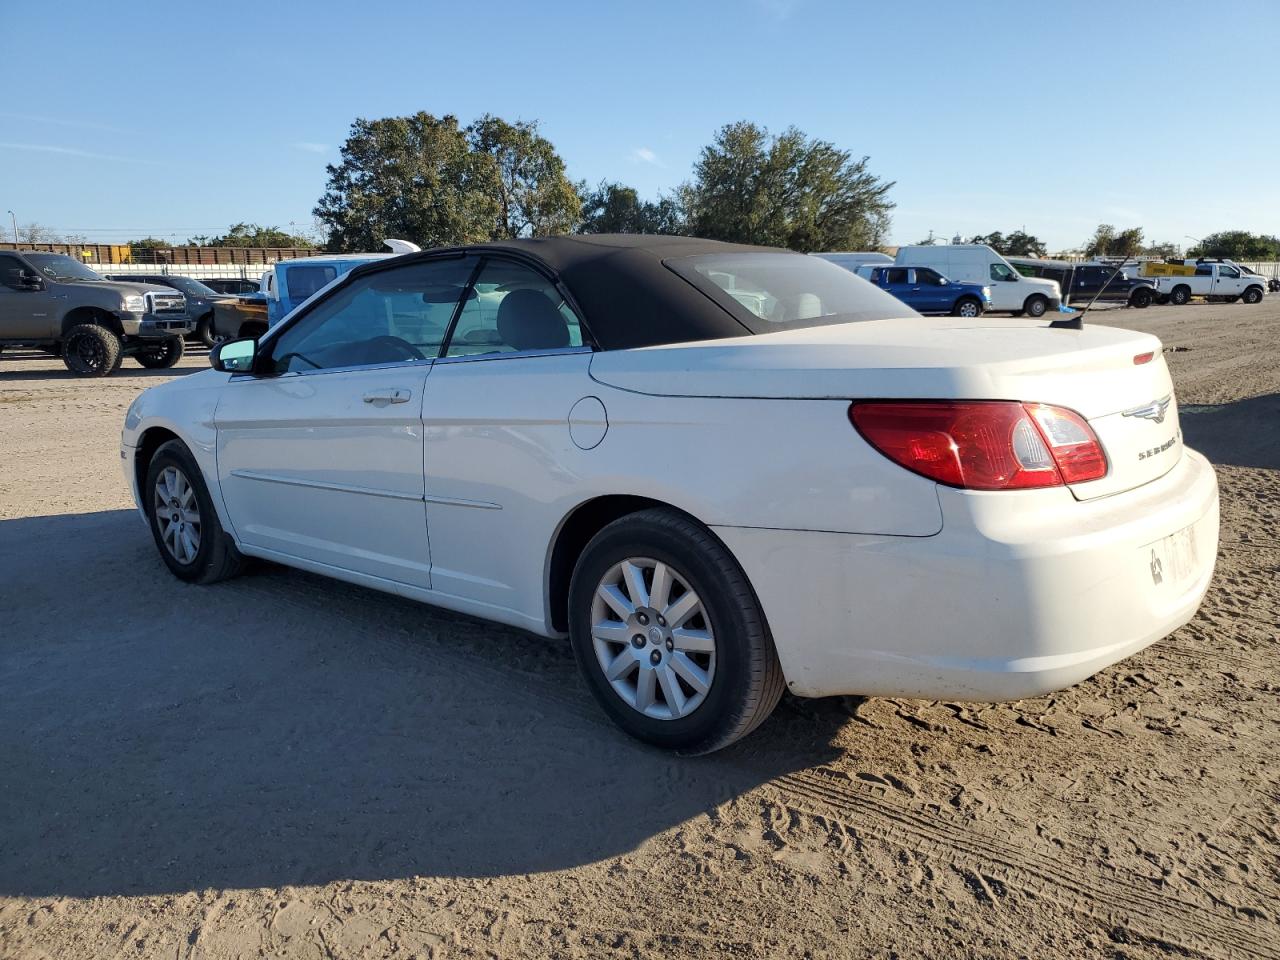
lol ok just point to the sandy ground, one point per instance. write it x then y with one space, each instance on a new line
283 766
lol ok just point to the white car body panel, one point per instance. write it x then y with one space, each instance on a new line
874 580
971 263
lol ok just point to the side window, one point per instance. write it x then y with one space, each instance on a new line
392 316
513 308
896 275
1000 272
11 271
305 281
929 277
1204 270
1232 272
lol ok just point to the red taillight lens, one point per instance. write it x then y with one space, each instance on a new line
983 444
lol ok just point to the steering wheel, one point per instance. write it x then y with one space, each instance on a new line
403 349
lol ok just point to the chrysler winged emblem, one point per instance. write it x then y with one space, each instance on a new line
1155 410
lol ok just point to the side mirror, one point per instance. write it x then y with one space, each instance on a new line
234 356
26 280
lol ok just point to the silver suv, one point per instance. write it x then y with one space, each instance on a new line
53 302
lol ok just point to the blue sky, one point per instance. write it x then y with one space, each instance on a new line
178 119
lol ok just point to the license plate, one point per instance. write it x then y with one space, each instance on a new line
1173 560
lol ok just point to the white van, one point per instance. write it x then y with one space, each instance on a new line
978 263
852 261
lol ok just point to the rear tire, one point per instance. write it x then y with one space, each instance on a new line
1180 296
1036 305
1140 298
183 521
967 307
725 637
204 330
89 350
162 355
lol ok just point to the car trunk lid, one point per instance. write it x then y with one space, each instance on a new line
1110 376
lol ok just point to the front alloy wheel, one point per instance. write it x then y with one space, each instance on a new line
652 638
177 514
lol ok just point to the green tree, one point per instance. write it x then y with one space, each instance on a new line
614 208
1017 244
252 235
1107 242
416 178
1238 245
1166 250
787 190
426 179
535 198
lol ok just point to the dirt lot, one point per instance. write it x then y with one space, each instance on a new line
283 766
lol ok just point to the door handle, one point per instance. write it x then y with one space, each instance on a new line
385 397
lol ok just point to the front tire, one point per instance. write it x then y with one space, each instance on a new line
1036 305
1252 295
1141 299
967 307
162 355
183 521
670 636
89 350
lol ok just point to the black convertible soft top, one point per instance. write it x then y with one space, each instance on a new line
645 291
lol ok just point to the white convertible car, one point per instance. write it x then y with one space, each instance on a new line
721 470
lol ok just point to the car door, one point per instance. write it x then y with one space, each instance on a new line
320 451
930 293
26 312
1229 281
898 281
500 415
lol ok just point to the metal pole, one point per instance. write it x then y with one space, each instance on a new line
15 226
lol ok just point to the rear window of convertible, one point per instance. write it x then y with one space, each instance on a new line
782 291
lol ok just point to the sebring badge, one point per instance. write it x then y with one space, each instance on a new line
1155 410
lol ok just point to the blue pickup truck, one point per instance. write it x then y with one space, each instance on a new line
925 290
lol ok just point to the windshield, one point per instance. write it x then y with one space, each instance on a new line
780 291
58 266
192 288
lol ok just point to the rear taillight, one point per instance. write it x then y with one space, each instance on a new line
983 444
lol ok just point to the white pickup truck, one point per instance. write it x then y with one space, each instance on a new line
1224 281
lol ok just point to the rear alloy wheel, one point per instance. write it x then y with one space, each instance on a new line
1252 295
669 634
967 307
1180 295
1140 298
1036 305
183 521
160 356
89 350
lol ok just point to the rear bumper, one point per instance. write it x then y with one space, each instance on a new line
1010 600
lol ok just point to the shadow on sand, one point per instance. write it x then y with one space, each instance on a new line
285 729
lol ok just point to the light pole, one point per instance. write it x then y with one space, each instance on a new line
1190 237
15 225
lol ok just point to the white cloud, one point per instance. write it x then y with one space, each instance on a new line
645 155
778 9
71 152
309 147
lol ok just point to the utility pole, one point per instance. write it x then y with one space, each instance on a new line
15 226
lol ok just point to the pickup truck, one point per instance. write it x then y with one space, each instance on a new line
925 290
1082 283
1214 281
55 303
